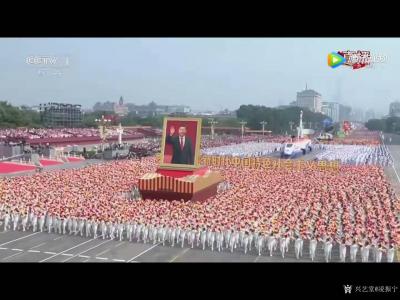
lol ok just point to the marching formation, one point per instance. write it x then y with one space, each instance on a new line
356 154
250 149
201 238
266 211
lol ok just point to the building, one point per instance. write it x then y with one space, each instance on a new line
394 109
61 114
153 109
344 112
332 110
357 115
309 99
120 108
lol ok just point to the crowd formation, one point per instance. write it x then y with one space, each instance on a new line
229 140
267 210
49 133
361 136
356 154
249 149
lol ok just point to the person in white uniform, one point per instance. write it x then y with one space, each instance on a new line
145 233
129 231
121 231
75 226
379 253
173 233
15 221
313 248
245 243
297 247
328 250
34 223
287 242
390 254
233 241
88 225
271 244
220 241
6 222
353 252
64 225
81 226
365 252
111 229
95 224
70 225
41 223
342 251
49 223
25 222
103 229
228 235
282 246
260 243
212 240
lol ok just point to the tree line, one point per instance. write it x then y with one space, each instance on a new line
12 116
389 125
277 118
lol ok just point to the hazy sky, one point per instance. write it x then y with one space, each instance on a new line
203 73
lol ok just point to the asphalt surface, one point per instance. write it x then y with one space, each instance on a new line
17 246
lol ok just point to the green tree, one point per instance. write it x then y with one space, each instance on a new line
376 124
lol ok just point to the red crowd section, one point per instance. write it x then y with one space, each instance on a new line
50 162
7 167
75 159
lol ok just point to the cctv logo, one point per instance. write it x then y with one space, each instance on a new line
49 61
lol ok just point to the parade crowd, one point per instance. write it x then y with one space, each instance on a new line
266 210
355 154
230 140
49 133
249 149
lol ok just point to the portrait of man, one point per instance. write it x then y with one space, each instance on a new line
181 142
182 146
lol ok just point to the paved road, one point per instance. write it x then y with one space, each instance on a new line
17 246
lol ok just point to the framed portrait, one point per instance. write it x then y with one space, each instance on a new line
180 145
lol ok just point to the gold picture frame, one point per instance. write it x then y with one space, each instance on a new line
196 164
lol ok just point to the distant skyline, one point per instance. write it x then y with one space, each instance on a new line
203 73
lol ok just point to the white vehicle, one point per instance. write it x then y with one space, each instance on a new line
293 149
325 137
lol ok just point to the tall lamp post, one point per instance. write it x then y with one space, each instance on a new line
103 123
120 131
212 123
243 123
263 123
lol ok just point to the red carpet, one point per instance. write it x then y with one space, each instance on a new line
75 159
7 167
50 162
